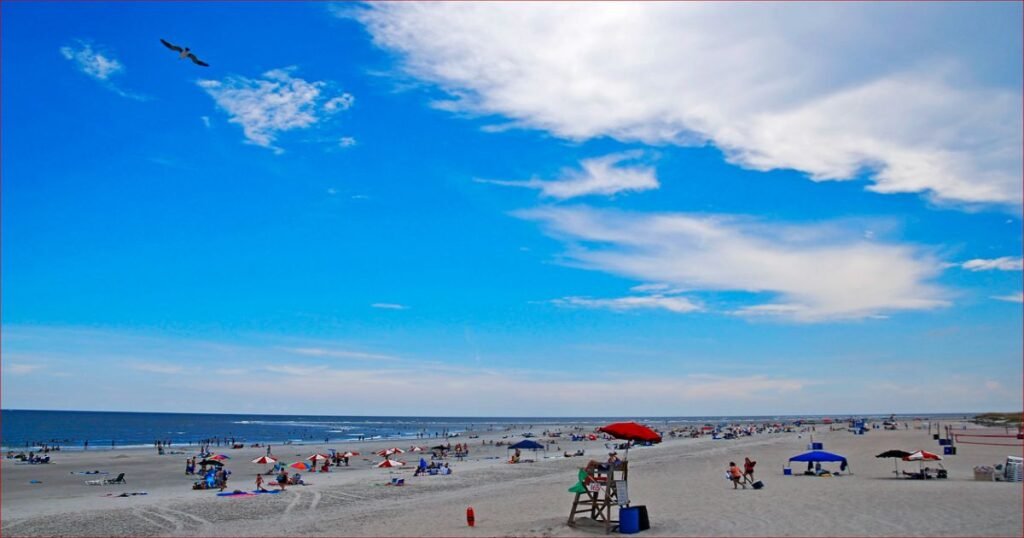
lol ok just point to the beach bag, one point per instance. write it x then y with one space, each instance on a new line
758 485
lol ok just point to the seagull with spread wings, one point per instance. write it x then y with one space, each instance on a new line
184 52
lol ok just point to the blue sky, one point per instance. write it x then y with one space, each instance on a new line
491 209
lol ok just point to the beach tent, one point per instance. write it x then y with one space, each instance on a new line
527 444
819 456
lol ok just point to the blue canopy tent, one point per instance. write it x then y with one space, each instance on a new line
527 444
818 456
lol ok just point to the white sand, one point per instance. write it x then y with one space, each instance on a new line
680 481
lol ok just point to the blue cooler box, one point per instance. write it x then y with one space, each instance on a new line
629 520
817 446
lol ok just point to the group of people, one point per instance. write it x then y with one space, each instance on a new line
741 477
213 479
30 458
432 469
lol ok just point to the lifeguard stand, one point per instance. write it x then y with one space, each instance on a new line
601 496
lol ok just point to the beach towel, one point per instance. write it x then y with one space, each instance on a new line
237 493
89 472
126 494
269 492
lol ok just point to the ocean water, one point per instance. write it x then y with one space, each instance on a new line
69 429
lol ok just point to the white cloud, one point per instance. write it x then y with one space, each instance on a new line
100 65
390 306
339 104
206 121
274 104
1006 263
832 90
643 302
96 64
602 175
1011 298
340 354
156 368
20 368
813 272
346 142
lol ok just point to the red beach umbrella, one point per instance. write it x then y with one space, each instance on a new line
264 460
922 455
389 451
219 457
390 463
300 465
349 454
631 431
318 457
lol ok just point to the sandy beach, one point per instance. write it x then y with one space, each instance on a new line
680 481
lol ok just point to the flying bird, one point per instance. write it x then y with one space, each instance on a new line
185 52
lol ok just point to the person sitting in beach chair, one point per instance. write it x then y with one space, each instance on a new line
296 480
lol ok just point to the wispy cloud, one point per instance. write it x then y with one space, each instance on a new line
340 353
346 142
99 65
276 103
1006 263
1011 298
390 306
815 273
921 121
599 176
156 368
20 368
638 302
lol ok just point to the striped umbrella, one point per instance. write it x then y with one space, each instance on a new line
264 460
390 463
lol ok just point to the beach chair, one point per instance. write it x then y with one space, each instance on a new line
119 480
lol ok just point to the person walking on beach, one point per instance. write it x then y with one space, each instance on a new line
736 475
748 470
259 483
282 479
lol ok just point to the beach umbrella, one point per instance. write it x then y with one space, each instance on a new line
896 455
389 451
349 454
300 465
922 455
318 457
212 462
264 460
390 463
416 449
219 457
631 431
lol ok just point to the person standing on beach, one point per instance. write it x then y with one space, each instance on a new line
748 470
259 483
282 479
736 475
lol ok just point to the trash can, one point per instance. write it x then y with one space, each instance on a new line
629 520
645 522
